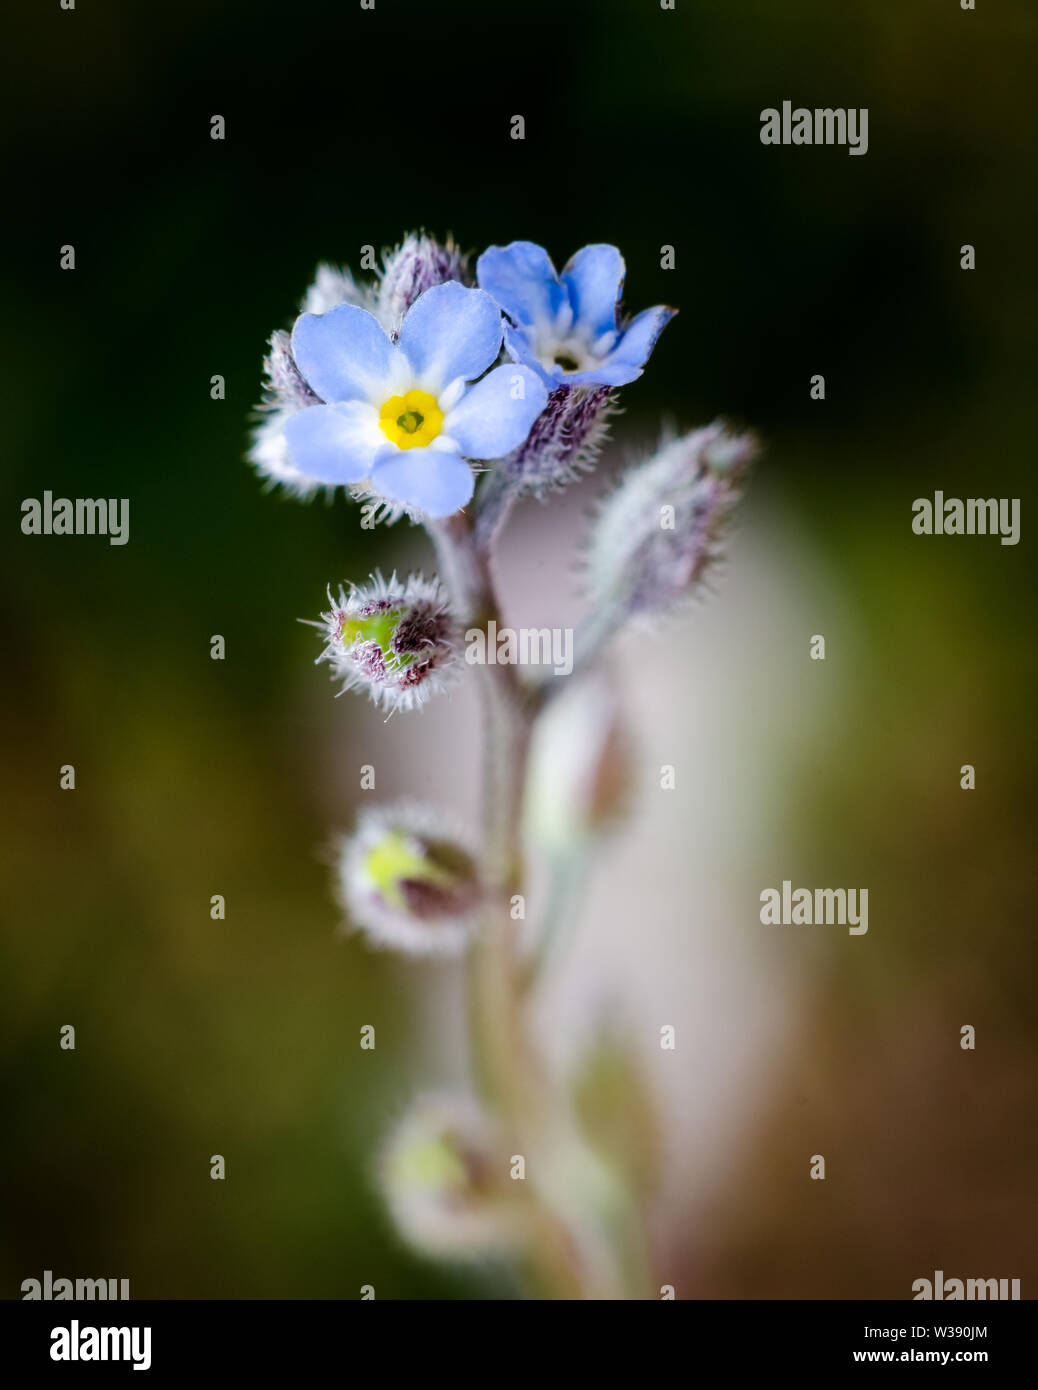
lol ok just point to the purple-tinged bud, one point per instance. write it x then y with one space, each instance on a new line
564 442
408 881
396 640
659 531
415 266
284 392
268 454
444 1176
284 387
335 285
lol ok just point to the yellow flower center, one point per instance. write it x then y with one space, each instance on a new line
411 420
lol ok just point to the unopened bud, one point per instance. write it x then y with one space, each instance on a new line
396 640
334 285
415 266
284 392
659 531
564 442
408 882
579 773
445 1181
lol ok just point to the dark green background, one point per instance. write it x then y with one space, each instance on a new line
346 128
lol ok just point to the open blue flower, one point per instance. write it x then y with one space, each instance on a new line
405 416
565 326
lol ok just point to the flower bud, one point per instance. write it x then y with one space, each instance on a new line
579 772
658 532
283 384
335 285
445 1181
284 392
564 442
413 267
408 881
395 640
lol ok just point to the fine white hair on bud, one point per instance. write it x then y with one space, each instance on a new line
283 384
284 392
659 531
334 285
269 455
444 1176
411 268
408 880
394 639
565 440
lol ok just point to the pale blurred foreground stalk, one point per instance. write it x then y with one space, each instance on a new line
570 1196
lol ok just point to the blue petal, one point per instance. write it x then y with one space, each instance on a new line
639 336
344 354
522 279
520 349
594 278
450 332
624 364
607 373
433 482
495 415
334 443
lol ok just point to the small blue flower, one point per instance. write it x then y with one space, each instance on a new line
406 415
565 326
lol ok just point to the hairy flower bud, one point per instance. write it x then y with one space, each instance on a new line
408 881
283 384
565 440
395 640
285 391
659 531
579 773
335 285
413 267
445 1181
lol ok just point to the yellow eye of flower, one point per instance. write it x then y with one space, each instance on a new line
411 420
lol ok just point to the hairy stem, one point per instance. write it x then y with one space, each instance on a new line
510 1074
494 502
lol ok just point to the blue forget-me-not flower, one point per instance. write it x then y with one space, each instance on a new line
406 415
565 327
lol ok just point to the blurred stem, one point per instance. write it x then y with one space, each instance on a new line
567 874
494 502
594 634
510 1074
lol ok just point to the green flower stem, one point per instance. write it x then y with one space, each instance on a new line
497 495
567 876
510 1074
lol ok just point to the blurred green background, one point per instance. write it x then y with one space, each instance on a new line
195 777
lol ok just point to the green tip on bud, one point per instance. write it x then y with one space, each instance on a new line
408 882
445 1180
394 639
